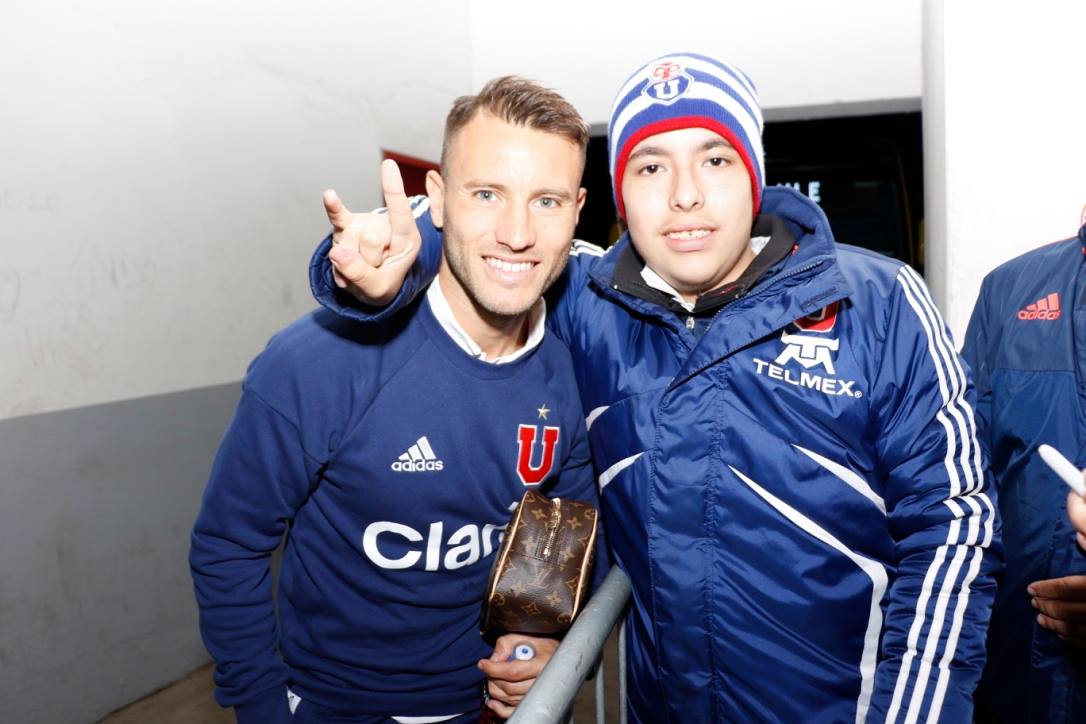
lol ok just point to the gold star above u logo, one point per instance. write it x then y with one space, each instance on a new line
543 410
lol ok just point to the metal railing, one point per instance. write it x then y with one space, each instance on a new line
553 692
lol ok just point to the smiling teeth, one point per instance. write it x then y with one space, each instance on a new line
688 235
505 266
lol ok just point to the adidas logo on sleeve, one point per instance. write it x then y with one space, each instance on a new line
1047 308
418 458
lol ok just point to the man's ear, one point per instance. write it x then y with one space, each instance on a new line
581 195
435 189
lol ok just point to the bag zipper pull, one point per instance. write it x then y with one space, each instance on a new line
552 526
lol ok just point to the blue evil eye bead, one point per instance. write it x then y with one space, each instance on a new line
523 652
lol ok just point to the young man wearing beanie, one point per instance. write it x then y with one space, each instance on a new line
782 431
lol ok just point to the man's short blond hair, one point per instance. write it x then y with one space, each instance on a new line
521 102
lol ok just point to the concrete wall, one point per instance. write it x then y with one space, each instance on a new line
160 174
807 59
1005 150
161 166
96 604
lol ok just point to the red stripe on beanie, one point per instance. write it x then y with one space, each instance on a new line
676 124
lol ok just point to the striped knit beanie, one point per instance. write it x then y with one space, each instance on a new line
686 90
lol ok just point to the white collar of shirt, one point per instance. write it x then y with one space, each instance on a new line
439 305
654 280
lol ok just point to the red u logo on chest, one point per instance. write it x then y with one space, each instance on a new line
526 435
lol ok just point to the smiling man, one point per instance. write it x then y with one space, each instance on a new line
395 453
502 251
782 431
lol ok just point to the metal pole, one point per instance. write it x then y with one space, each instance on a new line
622 672
601 691
554 690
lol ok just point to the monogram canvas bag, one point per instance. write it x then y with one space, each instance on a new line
541 574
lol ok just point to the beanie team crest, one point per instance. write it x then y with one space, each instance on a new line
686 90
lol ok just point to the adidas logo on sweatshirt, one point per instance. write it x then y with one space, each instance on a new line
418 458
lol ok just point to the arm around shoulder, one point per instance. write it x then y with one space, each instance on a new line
373 265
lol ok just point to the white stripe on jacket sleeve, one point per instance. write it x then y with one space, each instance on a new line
965 483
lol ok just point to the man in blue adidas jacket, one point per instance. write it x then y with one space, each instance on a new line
1026 344
782 431
394 454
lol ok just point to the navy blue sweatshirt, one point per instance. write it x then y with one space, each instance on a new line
394 458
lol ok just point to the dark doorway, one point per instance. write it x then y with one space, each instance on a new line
599 220
866 172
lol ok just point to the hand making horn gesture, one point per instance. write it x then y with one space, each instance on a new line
372 253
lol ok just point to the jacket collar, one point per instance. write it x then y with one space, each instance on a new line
784 211
629 271
804 281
